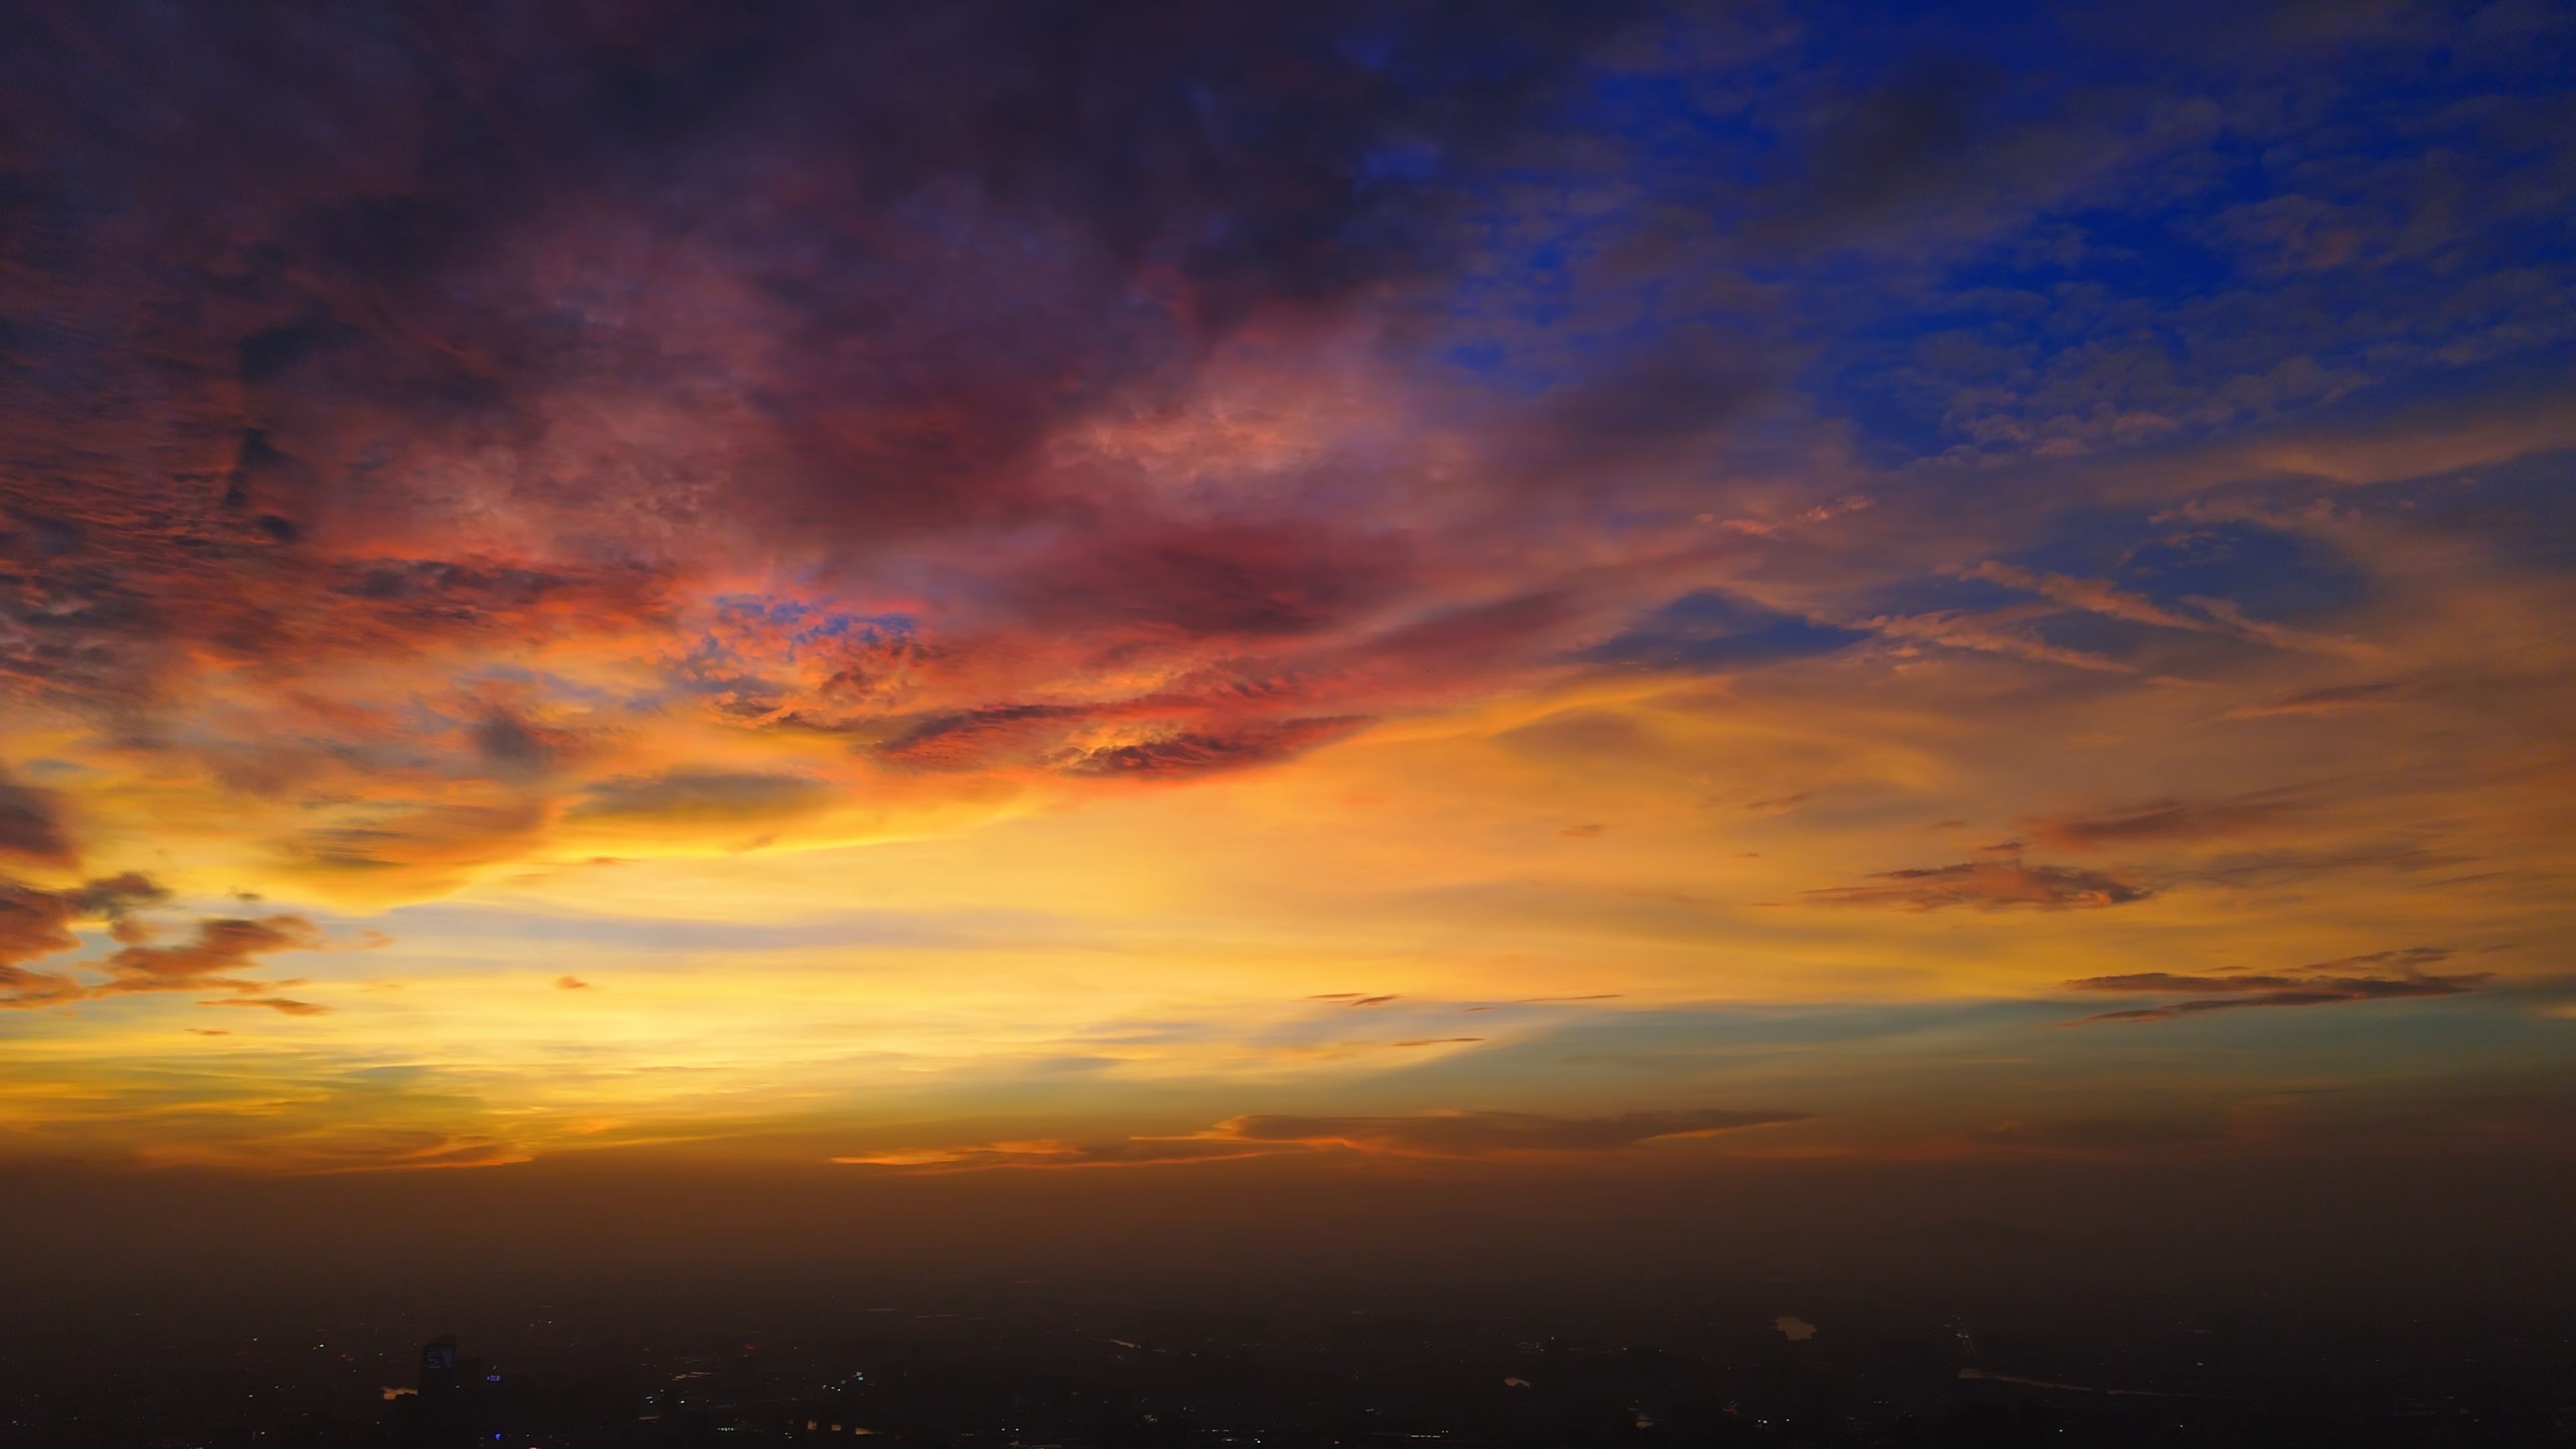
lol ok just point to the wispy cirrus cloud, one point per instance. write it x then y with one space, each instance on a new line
1435 1135
283 1005
2329 699
2003 632
2394 975
2008 883
2165 821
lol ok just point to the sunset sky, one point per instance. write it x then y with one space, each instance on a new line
1008 588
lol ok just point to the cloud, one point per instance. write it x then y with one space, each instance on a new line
1222 500
31 824
2096 596
281 1004
2281 636
2379 976
1443 1135
2216 616
1987 885
35 922
2171 820
1874 150
1130 1152
1712 631
1234 583
383 1149
795 488
514 746
571 983
2326 700
1190 753
1639 412
217 946
1495 1134
977 739
1991 633
434 837
1118 188
712 795
1136 740
2097 1135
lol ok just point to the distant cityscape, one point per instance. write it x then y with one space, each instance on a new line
1061 1378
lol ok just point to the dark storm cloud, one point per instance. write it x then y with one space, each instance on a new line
1988 885
2379 976
283 1005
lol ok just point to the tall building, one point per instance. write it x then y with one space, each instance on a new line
439 1376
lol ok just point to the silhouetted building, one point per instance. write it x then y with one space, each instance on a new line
438 1371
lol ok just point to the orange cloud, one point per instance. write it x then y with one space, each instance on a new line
2168 820
35 923
283 1005
31 824
1458 1135
2326 983
1987 885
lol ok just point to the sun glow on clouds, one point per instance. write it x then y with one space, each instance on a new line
617 649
